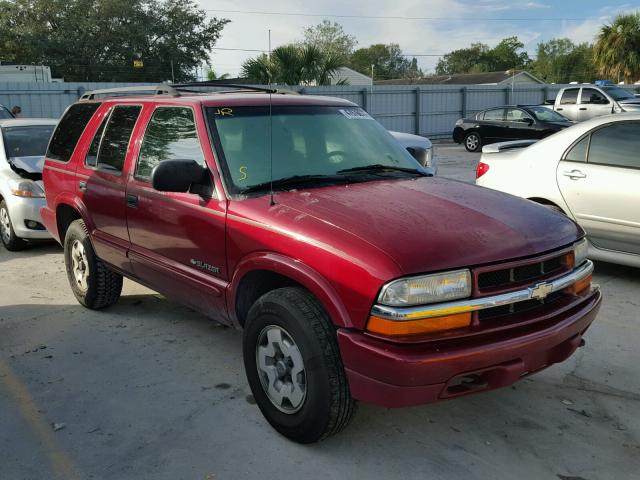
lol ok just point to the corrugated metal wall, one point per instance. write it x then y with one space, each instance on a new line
429 110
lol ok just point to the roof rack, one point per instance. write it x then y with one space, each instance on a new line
175 89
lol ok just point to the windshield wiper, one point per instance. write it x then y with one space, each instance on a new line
296 180
378 168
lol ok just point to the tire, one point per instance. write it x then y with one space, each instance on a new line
298 318
8 235
92 283
472 142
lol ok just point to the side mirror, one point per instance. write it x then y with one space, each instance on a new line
420 154
177 175
528 121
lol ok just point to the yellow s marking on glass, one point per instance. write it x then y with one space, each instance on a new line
243 172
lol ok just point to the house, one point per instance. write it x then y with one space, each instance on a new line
349 76
486 78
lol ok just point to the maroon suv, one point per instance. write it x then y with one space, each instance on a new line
353 273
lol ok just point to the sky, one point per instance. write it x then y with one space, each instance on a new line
449 24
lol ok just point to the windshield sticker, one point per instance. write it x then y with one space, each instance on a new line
224 112
243 172
355 114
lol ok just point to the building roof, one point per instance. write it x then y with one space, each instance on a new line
485 78
351 76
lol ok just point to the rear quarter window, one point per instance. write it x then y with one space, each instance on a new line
69 129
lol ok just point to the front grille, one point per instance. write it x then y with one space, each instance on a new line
522 273
515 308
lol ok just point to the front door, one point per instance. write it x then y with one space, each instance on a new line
602 192
102 184
592 104
177 239
520 125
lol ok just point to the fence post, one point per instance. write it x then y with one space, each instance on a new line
365 99
507 96
463 101
418 112
545 92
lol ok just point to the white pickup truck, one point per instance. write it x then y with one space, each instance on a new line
582 102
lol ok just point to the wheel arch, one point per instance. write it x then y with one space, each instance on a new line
262 272
67 210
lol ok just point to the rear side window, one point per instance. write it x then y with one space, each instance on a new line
616 145
115 139
170 135
69 129
579 151
5 113
496 114
570 96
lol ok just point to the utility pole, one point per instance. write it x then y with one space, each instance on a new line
173 78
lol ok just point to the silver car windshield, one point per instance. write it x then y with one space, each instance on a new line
26 141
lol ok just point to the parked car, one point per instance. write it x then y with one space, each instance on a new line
354 274
420 148
520 122
5 113
23 143
590 172
583 102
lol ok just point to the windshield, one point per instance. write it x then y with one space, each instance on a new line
618 93
5 113
547 115
26 141
309 142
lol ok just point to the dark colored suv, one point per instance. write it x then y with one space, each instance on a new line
353 273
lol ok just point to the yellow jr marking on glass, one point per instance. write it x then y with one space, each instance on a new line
225 111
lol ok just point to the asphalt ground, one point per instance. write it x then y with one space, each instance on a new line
149 389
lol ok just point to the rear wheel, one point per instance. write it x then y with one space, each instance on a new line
294 368
472 142
92 283
9 239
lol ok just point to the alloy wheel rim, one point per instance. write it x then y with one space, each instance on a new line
472 141
5 225
281 369
79 265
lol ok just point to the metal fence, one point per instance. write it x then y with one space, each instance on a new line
429 110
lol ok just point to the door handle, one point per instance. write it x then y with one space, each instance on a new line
132 201
582 108
559 109
574 174
82 186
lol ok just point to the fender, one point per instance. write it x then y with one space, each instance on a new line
295 270
75 202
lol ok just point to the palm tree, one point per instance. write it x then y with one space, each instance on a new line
212 75
293 65
617 49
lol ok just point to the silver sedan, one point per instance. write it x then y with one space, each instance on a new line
589 171
420 147
23 143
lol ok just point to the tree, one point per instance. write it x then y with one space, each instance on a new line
330 39
479 57
292 65
387 60
617 50
561 61
98 40
212 75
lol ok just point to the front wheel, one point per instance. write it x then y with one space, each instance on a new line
92 283
472 142
9 239
294 368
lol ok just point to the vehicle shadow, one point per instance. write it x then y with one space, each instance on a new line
34 249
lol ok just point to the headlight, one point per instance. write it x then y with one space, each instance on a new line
26 188
428 157
439 287
580 252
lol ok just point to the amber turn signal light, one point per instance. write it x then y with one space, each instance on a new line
580 286
395 328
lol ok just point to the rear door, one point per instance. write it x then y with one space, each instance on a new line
592 104
599 179
101 183
177 239
568 105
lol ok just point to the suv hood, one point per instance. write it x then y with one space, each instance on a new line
631 103
430 224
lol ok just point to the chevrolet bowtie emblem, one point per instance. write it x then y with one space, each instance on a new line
541 290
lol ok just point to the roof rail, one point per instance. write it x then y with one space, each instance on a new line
161 89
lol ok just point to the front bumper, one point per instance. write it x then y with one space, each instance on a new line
399 375
24 209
